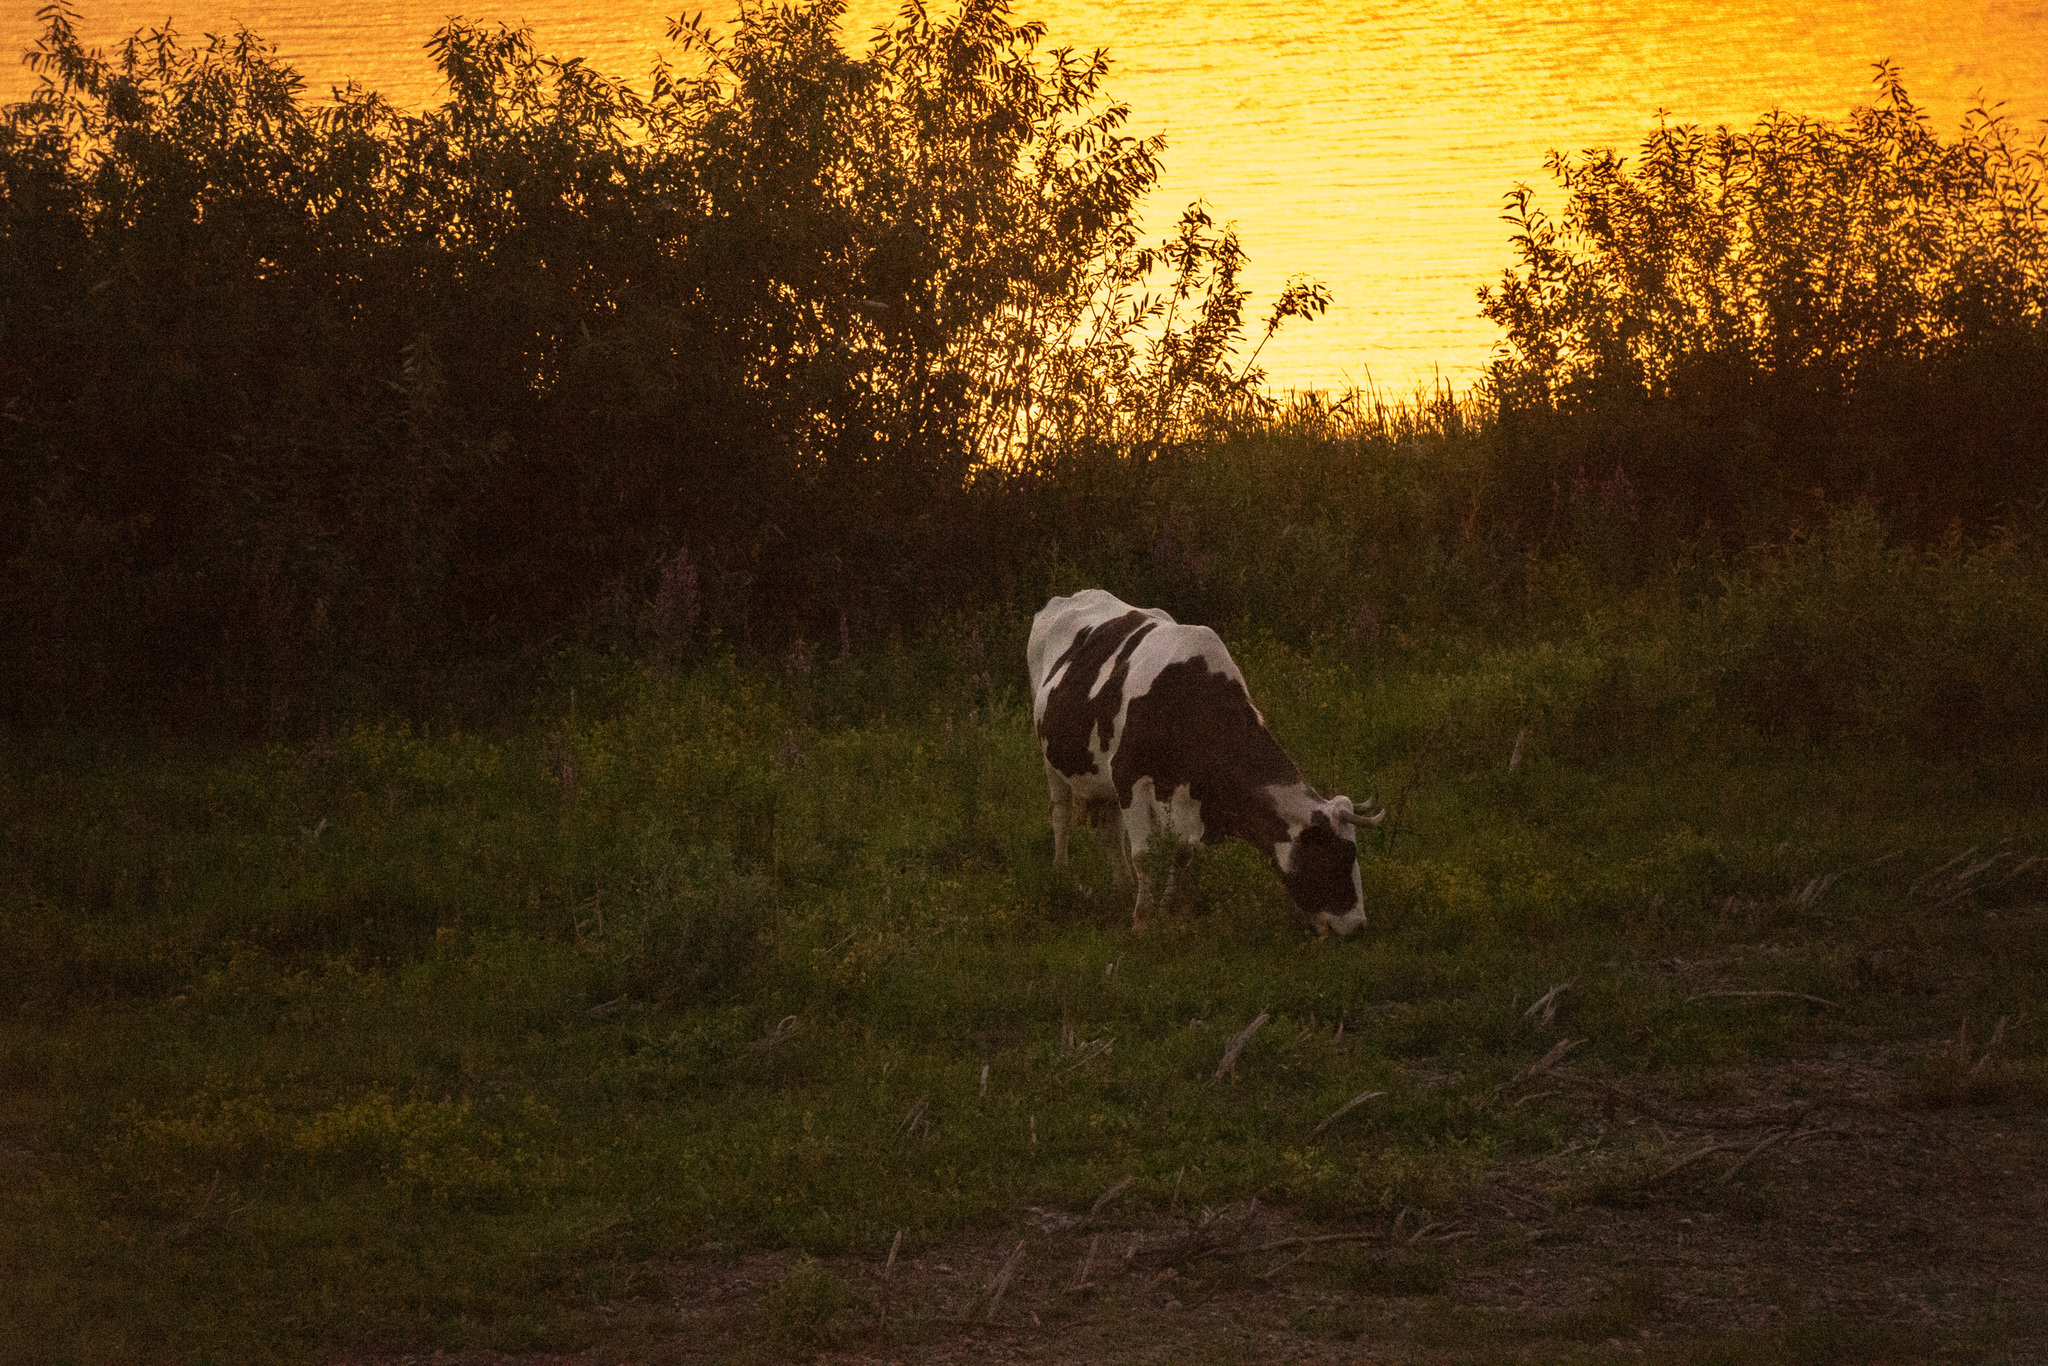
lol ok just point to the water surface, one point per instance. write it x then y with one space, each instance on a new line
1368 145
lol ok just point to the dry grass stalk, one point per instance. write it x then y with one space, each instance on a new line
1276 1268
1690 1158
1768 1139
1344 1109
1553 1057
1358 1236
889 1267
1792 995
1997 1035
1934 874
1439 1233
784 1027
1229 1064
1547 1003
1950 882
995 1297
1080 1281
1533 1095
1087 1053
1112 1193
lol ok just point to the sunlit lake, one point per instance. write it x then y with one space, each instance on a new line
1367 145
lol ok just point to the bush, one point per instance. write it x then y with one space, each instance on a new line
334 406
1743 328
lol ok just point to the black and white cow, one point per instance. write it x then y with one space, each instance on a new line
1148 728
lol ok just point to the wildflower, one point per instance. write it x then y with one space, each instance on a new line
798 663
845 638
791 754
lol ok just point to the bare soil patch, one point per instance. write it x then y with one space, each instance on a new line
1802 1217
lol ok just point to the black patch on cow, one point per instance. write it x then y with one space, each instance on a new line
1197 727
1070 713
1323 860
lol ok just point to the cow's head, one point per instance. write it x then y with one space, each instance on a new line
1319 864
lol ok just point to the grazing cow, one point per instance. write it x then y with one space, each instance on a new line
1147 726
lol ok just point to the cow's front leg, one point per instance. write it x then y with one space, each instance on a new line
1062 793
1108 822
1138 827
1183 855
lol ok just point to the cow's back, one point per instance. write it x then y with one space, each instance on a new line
1057 625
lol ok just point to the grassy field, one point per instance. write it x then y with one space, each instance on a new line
410 1037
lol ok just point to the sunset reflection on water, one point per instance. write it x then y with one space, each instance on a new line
1366 146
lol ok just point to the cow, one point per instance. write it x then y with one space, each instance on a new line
1147 728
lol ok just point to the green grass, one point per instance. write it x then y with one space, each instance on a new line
415 1038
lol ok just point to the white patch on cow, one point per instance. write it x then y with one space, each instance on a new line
1340 925
1054 629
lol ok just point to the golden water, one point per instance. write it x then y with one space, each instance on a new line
1366 144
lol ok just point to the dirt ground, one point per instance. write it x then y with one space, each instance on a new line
1805 1218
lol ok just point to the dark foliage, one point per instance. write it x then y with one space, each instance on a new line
1743 328
326 404
316 407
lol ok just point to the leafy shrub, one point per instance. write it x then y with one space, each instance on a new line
313 405
1744 327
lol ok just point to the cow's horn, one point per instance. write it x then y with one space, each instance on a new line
1354 818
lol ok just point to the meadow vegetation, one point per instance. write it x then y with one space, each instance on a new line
518 764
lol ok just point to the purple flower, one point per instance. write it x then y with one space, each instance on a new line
798 664
845 638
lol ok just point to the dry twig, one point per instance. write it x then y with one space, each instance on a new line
1003 1280
1229 1063
1112 1193
1691 1158
1080 1281
1344 1109
1547 1003
1553 1057
784 1027
1793 995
